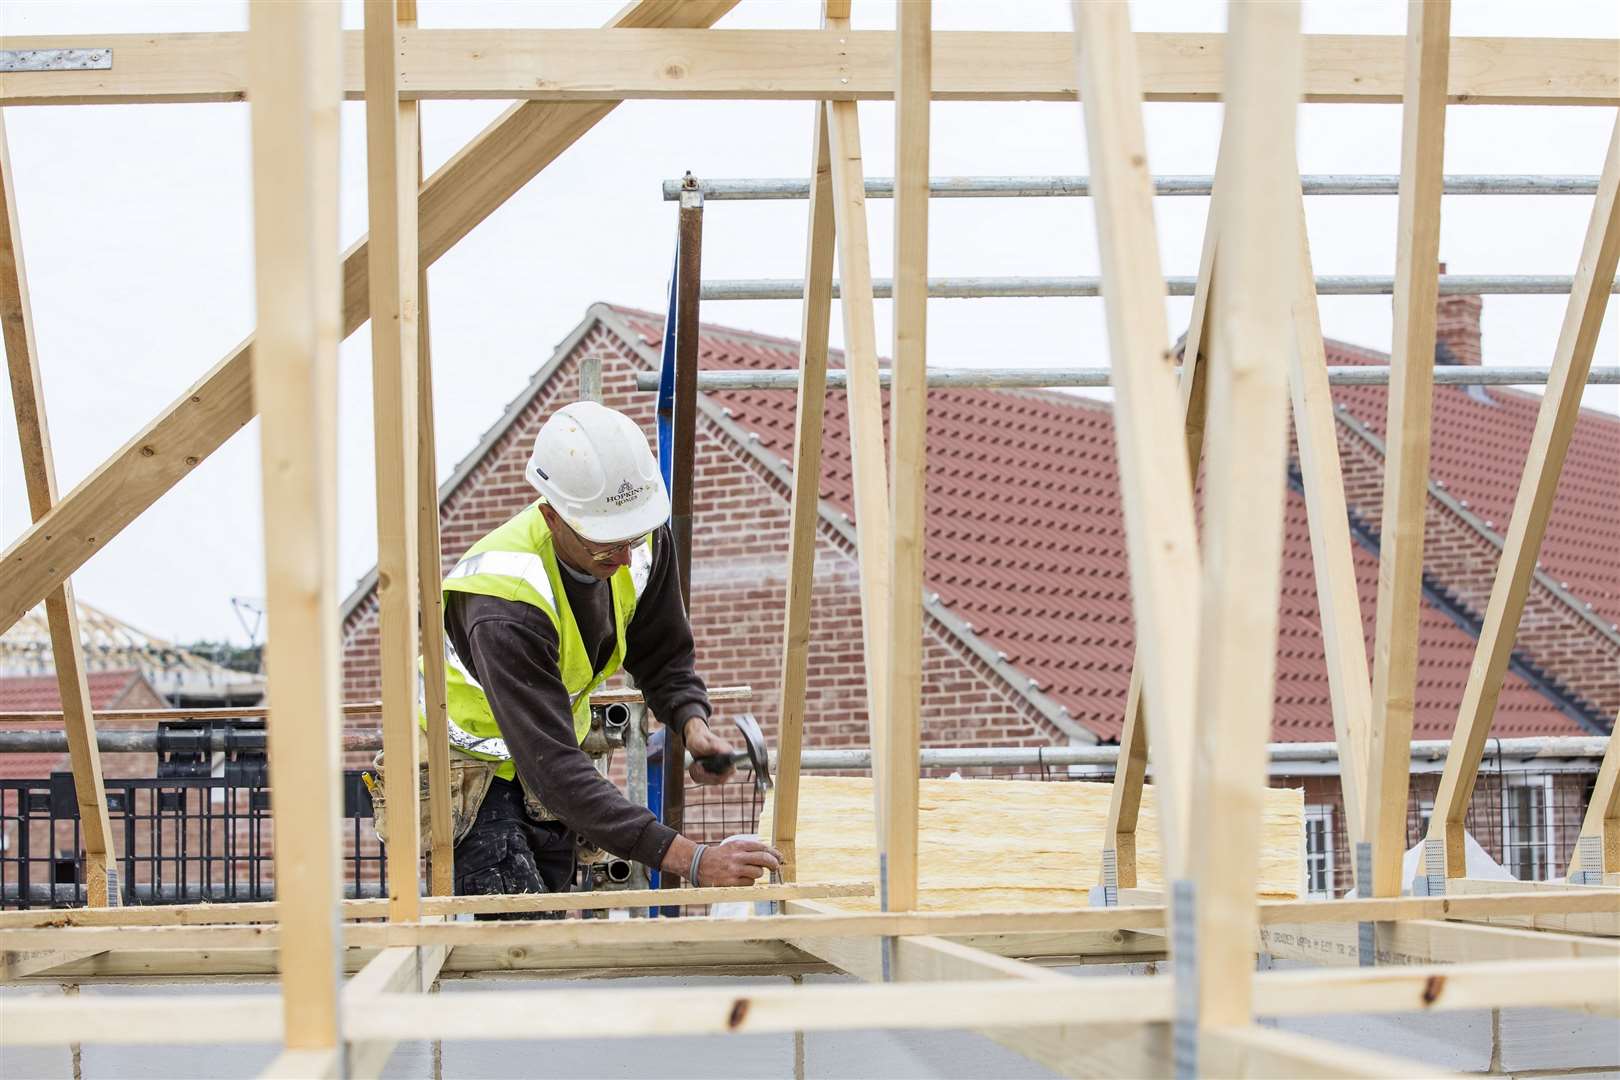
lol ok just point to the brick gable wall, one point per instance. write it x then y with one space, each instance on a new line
739 581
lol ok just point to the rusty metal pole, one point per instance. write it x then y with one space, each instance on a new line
688 282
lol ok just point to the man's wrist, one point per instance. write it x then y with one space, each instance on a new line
678 857
685 723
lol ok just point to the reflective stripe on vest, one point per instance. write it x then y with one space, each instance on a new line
516 561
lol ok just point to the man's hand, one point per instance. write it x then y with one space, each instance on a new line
736 862
702 743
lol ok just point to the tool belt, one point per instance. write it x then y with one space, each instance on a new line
470 779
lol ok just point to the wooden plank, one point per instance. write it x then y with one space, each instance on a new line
429 574
1425 941
1406 467
1602 820
1337 595
391 163
1600 923
1125 794
463 192
544 1014
571 933
590 65
37 962
266 911
1549 443
866 442
295 66
805 500
1099 1050
1267 1052
1154 480
408 969
908 483
39 480
1593 983
1245 493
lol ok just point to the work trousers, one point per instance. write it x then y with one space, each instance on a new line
507 851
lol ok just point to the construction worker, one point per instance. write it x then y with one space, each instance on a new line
537 615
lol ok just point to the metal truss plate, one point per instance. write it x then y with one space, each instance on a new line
55 59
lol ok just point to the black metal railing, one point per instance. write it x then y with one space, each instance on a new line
179 839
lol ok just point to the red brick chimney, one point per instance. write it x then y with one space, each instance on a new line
1456 328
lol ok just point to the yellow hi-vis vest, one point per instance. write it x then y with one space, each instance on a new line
516 562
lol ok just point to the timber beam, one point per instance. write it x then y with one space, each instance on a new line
832 64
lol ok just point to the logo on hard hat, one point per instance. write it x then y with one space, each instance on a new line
627 494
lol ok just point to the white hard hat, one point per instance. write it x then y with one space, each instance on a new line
594 468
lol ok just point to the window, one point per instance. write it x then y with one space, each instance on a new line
1527 826
1319 849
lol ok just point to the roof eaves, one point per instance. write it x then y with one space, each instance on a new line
1020 684
491 436
1475 522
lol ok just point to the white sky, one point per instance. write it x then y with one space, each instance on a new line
137 229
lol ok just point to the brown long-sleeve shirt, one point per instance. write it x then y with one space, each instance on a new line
511 649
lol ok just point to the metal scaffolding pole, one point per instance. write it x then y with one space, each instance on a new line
962 288
1038 378
1012 187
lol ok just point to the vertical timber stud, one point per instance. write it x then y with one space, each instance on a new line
1118 864
293 84
897 839
1555 424
866 448
1597 851
1252 334
688 286
391 164
1155 484
1316 430
61 614
1406 469
806 511
429 574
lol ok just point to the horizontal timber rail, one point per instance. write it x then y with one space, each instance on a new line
1028 1002
552 934
618 64
1428 751
1036 378
1079 187
968 288
266 911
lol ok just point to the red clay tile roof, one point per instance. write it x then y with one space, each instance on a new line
38 693
1477 449
1025 542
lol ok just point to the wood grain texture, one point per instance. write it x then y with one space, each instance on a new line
577 66
868 456
805 500
1245 493
1008 844
295 183
1155 484
1406 466
908 411
391 164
